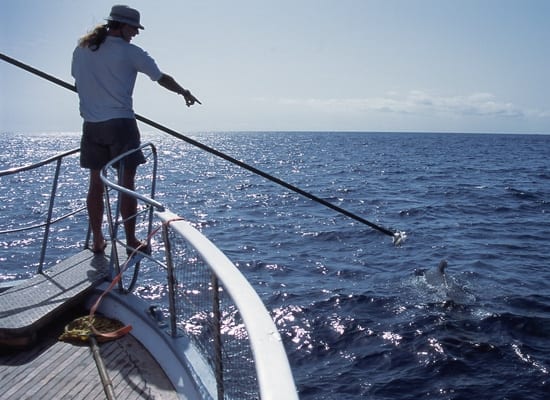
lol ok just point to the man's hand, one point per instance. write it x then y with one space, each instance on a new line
170 83
189 98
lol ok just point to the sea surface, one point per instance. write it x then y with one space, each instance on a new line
360 317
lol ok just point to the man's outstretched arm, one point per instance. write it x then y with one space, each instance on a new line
170 83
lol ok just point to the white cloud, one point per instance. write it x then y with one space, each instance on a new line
419 102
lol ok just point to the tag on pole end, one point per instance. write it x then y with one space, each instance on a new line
399 238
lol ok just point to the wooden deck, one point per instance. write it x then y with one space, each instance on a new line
58 370
34 364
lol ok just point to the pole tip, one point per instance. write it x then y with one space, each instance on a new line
399 238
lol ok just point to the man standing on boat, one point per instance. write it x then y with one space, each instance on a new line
105 67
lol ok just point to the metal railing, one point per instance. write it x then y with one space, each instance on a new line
211 301
145 211
48 220
208 299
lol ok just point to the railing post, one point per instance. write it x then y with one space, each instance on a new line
114 267
217 336
49 217
116 222
171 280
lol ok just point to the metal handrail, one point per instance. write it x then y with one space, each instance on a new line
263 337
58 159
113 216
122 189
16 170
42 225
272 369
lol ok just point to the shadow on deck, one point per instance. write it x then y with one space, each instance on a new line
30 306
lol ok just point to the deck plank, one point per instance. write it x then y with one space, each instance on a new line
53 370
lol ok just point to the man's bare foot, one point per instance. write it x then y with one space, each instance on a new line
99 248
141 246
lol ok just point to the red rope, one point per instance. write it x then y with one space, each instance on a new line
125 329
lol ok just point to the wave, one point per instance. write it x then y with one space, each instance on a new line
356 321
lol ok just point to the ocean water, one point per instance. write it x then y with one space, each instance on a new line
360 317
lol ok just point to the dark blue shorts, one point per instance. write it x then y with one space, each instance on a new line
103 141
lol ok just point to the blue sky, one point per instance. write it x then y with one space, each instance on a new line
304 65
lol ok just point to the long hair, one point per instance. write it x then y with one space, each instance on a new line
95 38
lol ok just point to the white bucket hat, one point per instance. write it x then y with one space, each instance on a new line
126 15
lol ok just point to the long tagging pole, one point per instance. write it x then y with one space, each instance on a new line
398 237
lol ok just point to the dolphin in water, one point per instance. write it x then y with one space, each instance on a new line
444 285
437 277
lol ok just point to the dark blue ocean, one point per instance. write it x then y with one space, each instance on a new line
360 317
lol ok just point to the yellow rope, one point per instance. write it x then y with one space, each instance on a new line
80 329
